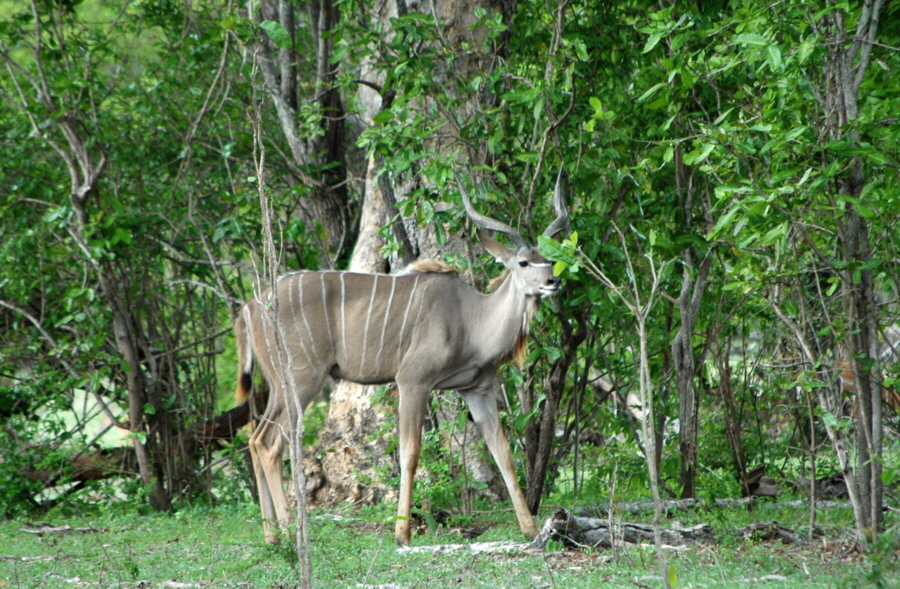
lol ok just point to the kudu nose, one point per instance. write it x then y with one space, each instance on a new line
554 281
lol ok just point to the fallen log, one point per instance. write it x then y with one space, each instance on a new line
669 505
767 532
579 532
41 529
500 547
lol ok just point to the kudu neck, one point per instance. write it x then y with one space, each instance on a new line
505 314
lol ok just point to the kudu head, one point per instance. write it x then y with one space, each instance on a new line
531 272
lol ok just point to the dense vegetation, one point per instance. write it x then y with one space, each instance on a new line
733 187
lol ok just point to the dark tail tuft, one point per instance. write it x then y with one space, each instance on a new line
245 359
245 386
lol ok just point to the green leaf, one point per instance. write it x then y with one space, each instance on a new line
668 154
805 50
650 92
277 33
383 117
773 56
653 40
581 49
231 21
751 39
774 235
698 155
794 133
121 235
555 251
707 149
791 308
723 116
673 577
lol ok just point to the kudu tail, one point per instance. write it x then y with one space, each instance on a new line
245 357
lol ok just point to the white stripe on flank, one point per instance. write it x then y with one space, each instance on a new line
343 317
293 307
405 317
362 358
421 301
327 320
312 339
387 314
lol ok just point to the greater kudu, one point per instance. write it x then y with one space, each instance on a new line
424 330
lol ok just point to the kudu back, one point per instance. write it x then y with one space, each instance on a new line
425 330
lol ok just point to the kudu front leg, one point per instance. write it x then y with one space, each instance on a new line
482 404
413 404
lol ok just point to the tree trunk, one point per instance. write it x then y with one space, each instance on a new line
688 302
862 310
849 57
539 435
319 162
683 360
84 178
354 443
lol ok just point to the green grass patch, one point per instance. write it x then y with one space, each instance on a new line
223 547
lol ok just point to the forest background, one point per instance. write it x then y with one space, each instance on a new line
737 159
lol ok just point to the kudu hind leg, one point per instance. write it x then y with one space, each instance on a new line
483 405
266 449
267 446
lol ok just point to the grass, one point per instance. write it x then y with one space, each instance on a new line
223 547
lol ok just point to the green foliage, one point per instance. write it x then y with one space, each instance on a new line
168 218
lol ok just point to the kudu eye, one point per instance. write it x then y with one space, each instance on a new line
523 263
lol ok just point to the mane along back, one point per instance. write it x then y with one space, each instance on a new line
427 266
496 282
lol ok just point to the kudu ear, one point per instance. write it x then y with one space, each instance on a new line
500 252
